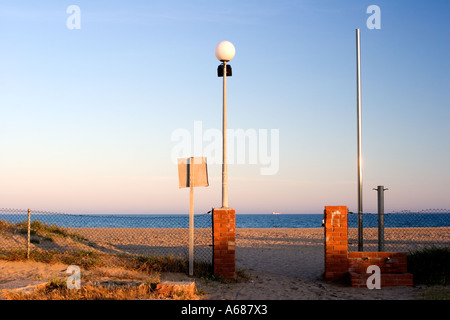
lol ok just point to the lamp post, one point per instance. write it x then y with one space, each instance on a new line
224 51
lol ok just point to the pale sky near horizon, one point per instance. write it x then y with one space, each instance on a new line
87 115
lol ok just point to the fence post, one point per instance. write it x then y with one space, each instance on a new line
380 191
28 236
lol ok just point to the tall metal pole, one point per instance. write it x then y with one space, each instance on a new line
224 159
358 102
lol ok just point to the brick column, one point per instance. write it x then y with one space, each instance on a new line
224 242
336 242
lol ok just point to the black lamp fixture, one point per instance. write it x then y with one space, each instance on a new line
220 70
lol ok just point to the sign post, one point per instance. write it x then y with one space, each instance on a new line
192 172
191 218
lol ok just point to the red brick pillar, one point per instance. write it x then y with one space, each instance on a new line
224 242
336 245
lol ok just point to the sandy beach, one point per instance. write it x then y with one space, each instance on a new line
282 263
287 264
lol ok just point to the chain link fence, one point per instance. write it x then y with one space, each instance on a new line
404 230
150 235
168 235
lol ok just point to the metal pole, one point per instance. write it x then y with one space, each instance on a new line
224 155
380 191
191 216
358 102
28 236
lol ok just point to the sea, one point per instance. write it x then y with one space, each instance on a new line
242 220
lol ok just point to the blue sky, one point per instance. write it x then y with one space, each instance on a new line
87 115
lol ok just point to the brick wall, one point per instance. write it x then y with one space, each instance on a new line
359 280
224 242
389 262
393 268
336 246
339 263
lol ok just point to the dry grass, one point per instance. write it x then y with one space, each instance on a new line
436 292
57 289
107 276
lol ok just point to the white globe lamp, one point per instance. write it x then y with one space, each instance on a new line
225 51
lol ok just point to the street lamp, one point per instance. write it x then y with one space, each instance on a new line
225 51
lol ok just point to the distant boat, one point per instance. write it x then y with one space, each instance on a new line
275 212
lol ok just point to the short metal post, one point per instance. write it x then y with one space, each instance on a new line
380 191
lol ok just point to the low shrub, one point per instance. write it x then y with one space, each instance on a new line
430 266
